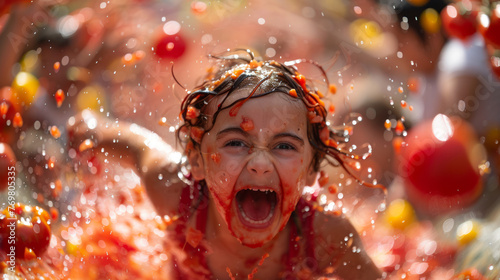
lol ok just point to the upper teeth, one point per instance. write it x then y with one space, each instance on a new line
261 190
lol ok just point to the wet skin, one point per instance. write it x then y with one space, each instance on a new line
274 155
271 153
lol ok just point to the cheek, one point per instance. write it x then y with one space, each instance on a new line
221 175
218 182
292 188
291 195
222 200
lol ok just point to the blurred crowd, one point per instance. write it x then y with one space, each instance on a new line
422 75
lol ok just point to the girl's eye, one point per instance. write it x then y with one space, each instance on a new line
285 146
235 143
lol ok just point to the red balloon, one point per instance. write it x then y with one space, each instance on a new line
170 46
438 165
32 230
456 24
489 26
7 166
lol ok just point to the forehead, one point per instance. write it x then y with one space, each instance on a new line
274 110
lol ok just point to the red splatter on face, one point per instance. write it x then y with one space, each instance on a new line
215 157
257 170
246 124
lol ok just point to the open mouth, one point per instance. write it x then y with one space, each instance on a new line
256 207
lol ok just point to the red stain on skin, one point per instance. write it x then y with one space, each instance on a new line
224 202
215 157
228 270
332 189
288 202
266 255
251 275
323 178
193 237
246 124
234 111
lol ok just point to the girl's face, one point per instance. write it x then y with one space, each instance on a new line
256 163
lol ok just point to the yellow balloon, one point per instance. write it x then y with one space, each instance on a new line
365 33
400 214
371 29
468 232
92 98
25 87
430 21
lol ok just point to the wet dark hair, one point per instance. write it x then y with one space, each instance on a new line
241 69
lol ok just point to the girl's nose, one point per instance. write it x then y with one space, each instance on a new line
260 163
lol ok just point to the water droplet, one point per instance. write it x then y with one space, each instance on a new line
270 52
381 206
448 225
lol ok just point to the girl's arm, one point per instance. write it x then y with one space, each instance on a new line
156 162
340 251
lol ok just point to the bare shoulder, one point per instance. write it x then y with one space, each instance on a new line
160 172
164 189
339 249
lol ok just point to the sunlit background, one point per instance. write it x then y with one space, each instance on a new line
417 80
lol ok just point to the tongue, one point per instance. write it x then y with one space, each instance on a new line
256 204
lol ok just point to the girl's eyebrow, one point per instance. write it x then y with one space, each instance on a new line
239 130
231 130
288 134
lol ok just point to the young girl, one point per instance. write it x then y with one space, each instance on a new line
255 134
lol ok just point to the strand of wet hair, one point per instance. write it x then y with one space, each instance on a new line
223 57
175 78
311 101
